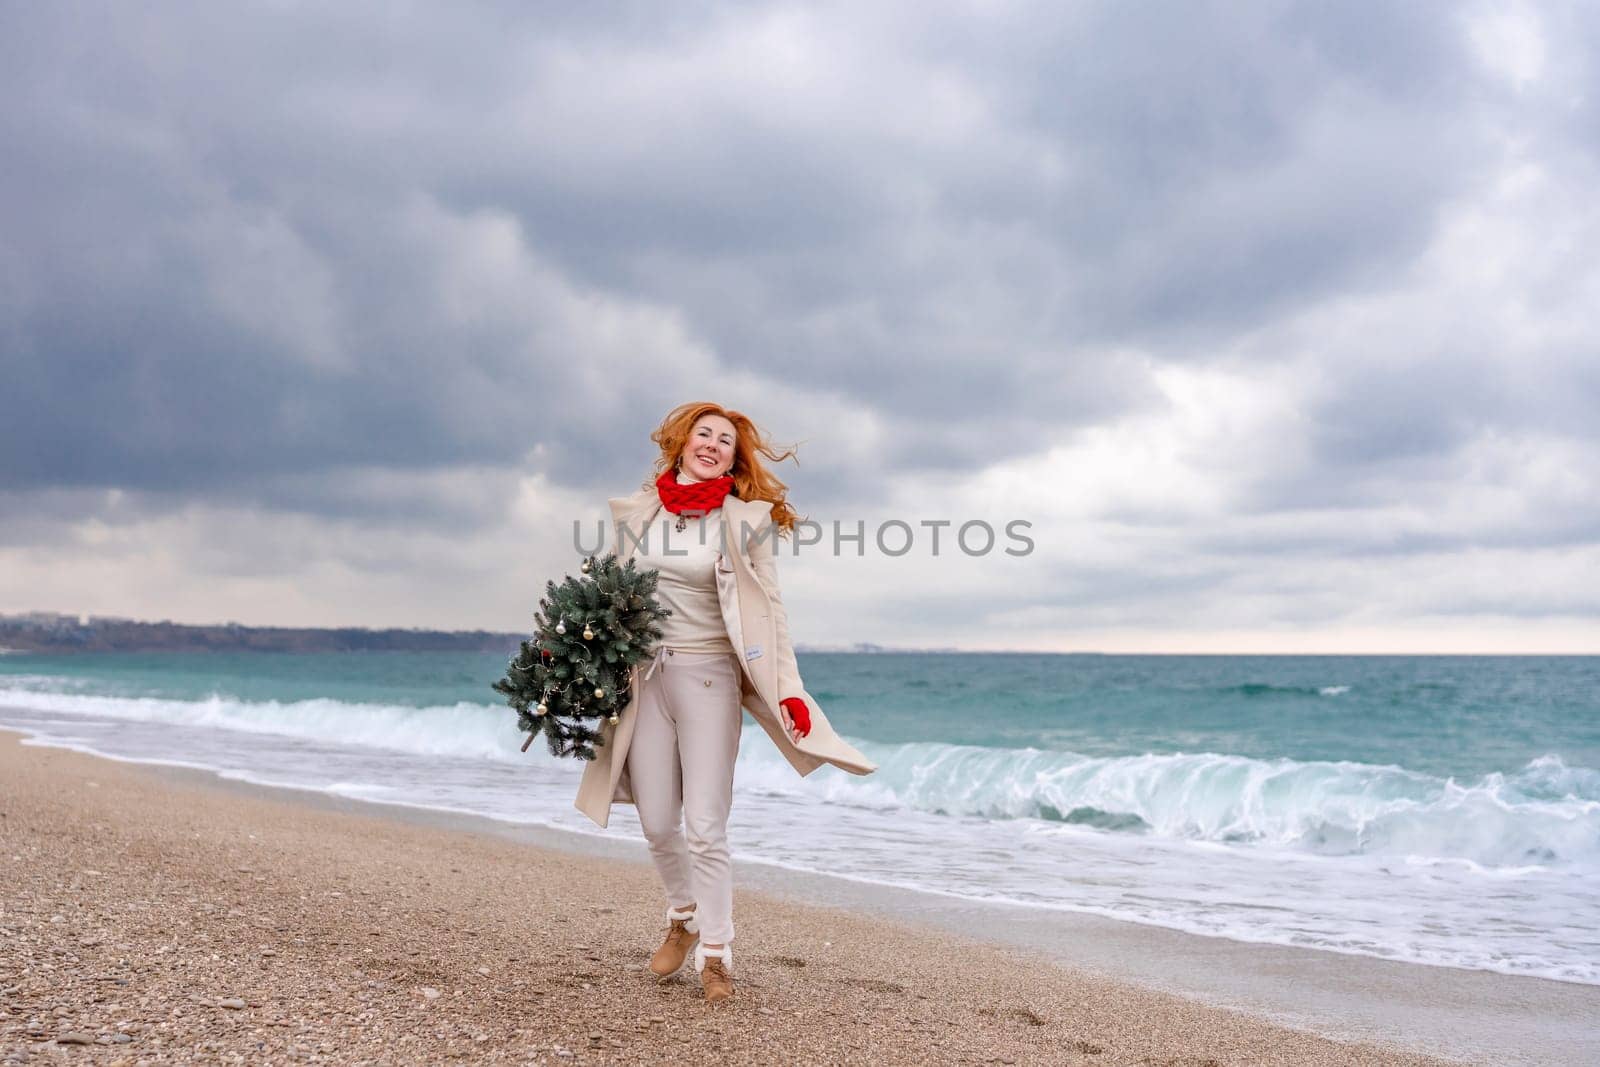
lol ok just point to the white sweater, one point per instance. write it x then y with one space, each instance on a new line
687 586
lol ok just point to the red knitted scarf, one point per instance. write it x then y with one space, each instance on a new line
699 497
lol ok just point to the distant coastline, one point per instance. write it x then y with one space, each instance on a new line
50 632
55 632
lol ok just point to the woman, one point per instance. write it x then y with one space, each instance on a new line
708 522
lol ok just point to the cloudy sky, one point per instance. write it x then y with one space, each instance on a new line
1280 323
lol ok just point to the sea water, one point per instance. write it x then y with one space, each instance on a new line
1439 810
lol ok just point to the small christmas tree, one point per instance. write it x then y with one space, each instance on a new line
572 675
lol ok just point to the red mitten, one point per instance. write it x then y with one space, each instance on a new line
799 713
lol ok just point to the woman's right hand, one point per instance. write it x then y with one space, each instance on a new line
796 717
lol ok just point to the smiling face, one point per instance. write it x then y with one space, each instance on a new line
709 452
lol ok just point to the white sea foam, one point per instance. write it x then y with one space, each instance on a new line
1546 814
463 729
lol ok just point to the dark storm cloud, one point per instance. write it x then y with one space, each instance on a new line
247 249
1131 178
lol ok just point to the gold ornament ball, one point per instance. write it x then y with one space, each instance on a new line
541 709
599 694
585 567
588 634
613 719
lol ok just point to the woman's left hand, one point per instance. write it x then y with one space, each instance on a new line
796 717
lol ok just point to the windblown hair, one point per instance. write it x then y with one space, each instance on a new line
751 480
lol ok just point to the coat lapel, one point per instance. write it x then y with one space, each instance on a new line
745 606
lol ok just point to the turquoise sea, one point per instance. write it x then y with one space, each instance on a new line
1442 810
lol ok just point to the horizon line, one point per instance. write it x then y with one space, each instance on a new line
852 648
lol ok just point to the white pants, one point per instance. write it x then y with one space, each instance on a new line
680 763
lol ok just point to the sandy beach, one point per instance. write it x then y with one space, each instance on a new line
161 916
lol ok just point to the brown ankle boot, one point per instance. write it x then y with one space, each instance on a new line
716 971
682 935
